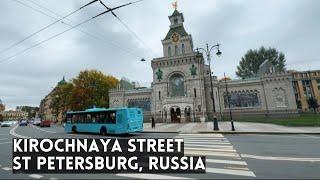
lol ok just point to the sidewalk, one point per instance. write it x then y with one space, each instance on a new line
225 127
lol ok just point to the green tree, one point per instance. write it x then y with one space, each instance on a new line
1 117
249 64
313 104
91 88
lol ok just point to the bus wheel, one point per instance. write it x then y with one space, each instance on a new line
74 129
103 131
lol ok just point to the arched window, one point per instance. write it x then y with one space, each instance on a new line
169 51
176 50
195 92
183 49
159 95
175 21
177 85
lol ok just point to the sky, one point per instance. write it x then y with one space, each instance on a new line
291 26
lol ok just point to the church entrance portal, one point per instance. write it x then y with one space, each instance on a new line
175 115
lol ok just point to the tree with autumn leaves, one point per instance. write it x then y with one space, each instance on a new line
90 88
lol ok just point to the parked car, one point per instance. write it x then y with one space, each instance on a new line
30 121
36 122
13 122
6 124
23 123
45 123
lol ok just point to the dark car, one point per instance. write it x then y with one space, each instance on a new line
45 123
23 123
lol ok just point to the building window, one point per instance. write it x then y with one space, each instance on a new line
175 21
177 85
307 90
176 50
183 49
195 92
169 51
159 95
318 83
242 99
143 103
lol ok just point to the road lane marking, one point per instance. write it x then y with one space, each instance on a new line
211 149
230 172
36 176
43 129
218 161
151 176
208 153
272 158
6 168
13 133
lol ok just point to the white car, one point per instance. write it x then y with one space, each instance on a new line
36 122
13 122
6 124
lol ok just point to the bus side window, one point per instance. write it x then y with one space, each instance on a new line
113 117
93 118
74 118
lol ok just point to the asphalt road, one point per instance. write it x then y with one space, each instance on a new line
227 156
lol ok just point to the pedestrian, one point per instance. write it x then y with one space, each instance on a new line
153 123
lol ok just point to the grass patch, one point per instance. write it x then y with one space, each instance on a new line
305 119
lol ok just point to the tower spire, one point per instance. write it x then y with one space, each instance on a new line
175 5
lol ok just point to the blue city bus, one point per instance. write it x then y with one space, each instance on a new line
105 121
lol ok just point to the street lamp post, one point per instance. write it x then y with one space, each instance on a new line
228 98
207 51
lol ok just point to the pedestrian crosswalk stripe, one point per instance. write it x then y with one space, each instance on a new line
219 161
210 139
36 176
230 172
211 149
6 168
206 146
203 138
205 142
9 142
151 176
3 139
208 153
203 135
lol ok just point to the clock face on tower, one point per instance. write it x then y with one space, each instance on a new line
175 37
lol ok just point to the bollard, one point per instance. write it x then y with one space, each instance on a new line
215 123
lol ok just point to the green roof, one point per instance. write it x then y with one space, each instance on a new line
63 81
179 29
175 13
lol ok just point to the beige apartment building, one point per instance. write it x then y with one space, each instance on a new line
306 85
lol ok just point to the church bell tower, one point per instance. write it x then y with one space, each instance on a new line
177 41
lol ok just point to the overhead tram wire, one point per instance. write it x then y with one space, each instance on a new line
94 36
46 27
127 27
56 35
